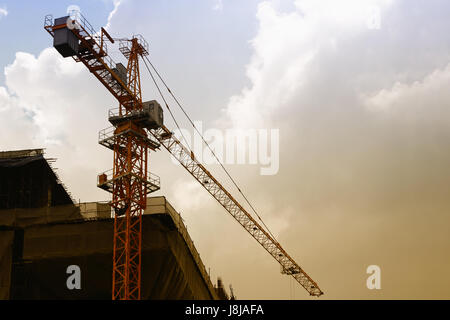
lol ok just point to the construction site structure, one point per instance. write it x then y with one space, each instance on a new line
136 131
41 239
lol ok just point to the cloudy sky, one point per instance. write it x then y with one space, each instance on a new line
359 91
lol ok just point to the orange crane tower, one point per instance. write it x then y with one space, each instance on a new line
137 129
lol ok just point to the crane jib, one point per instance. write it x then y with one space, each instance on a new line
206 179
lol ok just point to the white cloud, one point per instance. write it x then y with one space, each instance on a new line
3 12
285 45
218 5
113 13
54 103
407 98
318 72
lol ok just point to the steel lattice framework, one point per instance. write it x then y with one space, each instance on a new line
129 190
129 182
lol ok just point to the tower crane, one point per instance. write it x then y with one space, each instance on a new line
138 128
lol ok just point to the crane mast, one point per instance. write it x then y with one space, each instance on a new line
129 182
129 192
137 129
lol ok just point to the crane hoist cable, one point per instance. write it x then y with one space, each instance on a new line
167 106
198 132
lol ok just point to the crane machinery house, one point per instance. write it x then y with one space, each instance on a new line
65 41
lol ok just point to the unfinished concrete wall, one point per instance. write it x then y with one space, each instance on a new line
55 238
28 181
6 247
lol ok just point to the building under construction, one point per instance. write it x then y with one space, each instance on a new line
43 232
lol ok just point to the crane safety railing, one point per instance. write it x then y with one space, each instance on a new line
106 178
87 34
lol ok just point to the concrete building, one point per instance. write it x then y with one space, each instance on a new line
43 232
